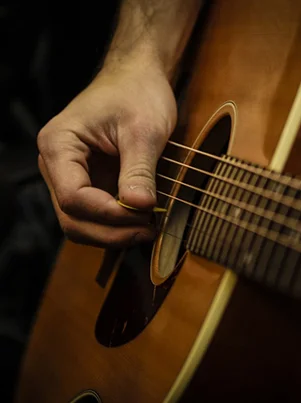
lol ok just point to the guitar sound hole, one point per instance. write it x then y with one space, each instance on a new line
170 246
133 299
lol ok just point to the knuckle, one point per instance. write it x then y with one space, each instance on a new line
45 143
67 227
71 232
41 140
47 138
111 240
143 130
107 211
139 128
66 203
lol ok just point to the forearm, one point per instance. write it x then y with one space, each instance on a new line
153 31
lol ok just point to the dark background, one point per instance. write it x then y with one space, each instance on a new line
49 52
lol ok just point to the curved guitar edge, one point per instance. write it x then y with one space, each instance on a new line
63 339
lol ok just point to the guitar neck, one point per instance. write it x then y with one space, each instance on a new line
249 221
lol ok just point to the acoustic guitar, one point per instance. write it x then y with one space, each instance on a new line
210 311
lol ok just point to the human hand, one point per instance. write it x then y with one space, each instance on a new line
108 141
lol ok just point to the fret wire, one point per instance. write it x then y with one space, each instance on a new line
211 251
185 241
268 258
199 219
242 205
200 231
235 230
259 243
295 280
207 219
193 238
270 270
287 276
272 235
273 268
200 216
268 194
268 174
289 263
249 238
203 232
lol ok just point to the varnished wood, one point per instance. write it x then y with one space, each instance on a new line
73 359
254 355
250 54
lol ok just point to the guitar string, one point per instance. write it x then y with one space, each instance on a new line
293 182
285 200
285 240
199 230
202 232
243 255
222 242
278 218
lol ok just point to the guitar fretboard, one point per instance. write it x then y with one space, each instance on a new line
249 221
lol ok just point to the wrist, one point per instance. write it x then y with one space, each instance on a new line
143 55
153 33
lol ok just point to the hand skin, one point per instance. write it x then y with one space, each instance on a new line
108 140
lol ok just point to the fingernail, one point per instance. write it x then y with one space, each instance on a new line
142 189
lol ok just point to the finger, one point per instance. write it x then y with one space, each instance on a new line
93 234
139 153
64 157
89 233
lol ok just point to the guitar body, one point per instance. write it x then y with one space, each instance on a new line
203 335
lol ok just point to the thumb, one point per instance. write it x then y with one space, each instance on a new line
137 180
